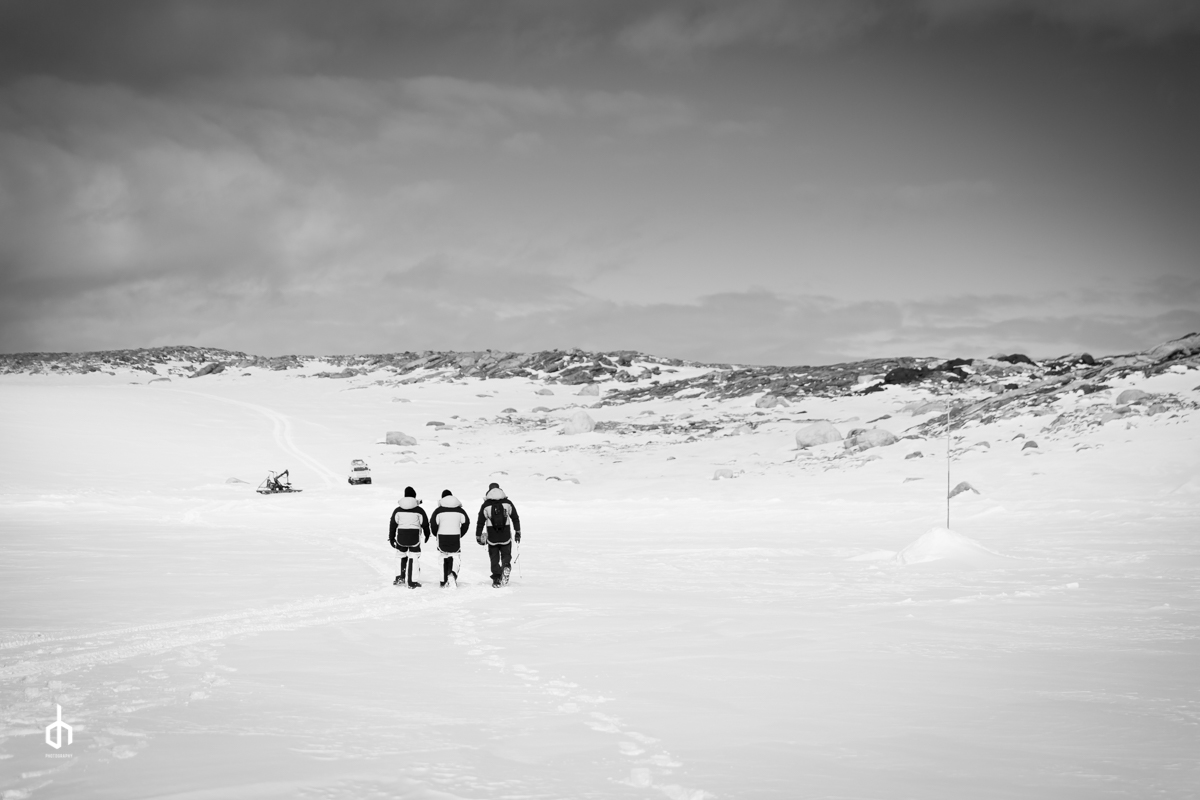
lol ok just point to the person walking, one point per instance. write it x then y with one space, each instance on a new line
449 523
407 524
503 526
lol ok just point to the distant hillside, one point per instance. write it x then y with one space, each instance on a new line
631 376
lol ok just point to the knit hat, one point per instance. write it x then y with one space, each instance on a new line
493 486
446 492
409 491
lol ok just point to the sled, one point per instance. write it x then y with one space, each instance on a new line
276 483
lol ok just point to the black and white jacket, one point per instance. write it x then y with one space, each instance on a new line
449 523
500 516
407 524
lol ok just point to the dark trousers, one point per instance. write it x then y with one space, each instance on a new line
501 557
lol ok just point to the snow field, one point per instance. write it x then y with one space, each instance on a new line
666 635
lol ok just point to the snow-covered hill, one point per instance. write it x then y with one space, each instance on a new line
701 609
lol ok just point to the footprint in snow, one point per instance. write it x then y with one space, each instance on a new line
632 743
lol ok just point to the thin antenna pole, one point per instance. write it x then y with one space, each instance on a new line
947 465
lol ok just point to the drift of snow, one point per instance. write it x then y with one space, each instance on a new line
939 544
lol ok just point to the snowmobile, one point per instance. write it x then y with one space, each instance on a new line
276 483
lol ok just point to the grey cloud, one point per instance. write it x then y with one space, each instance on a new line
867 207
490 104
1169 289
441 303
1144 19
104 184
683 29
161 42
680 30
958 308
155 44
474 285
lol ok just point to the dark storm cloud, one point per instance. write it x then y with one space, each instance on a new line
1143 19
156 42
683 29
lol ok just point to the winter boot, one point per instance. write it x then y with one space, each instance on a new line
504 575
402 578
412 574
446 564
452 581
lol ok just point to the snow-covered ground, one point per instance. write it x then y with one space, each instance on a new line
807 628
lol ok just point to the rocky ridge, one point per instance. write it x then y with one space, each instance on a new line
1018 384
557 366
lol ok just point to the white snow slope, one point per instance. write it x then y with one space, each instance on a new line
805 629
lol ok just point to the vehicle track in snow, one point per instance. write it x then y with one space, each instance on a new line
282 431
56 655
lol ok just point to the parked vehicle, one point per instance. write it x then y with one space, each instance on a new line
359 472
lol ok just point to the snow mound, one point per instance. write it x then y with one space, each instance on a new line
942 544
579 422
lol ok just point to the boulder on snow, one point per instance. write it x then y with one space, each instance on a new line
579 422
544 391
400 438
963 486
208 369
1030 444
1016 358
724 473
1132 396
433 423
509 410
769 400
589 390
539 409
860 440
902 375
817 433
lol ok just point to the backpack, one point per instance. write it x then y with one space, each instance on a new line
498 516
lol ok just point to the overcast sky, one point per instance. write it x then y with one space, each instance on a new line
761 182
